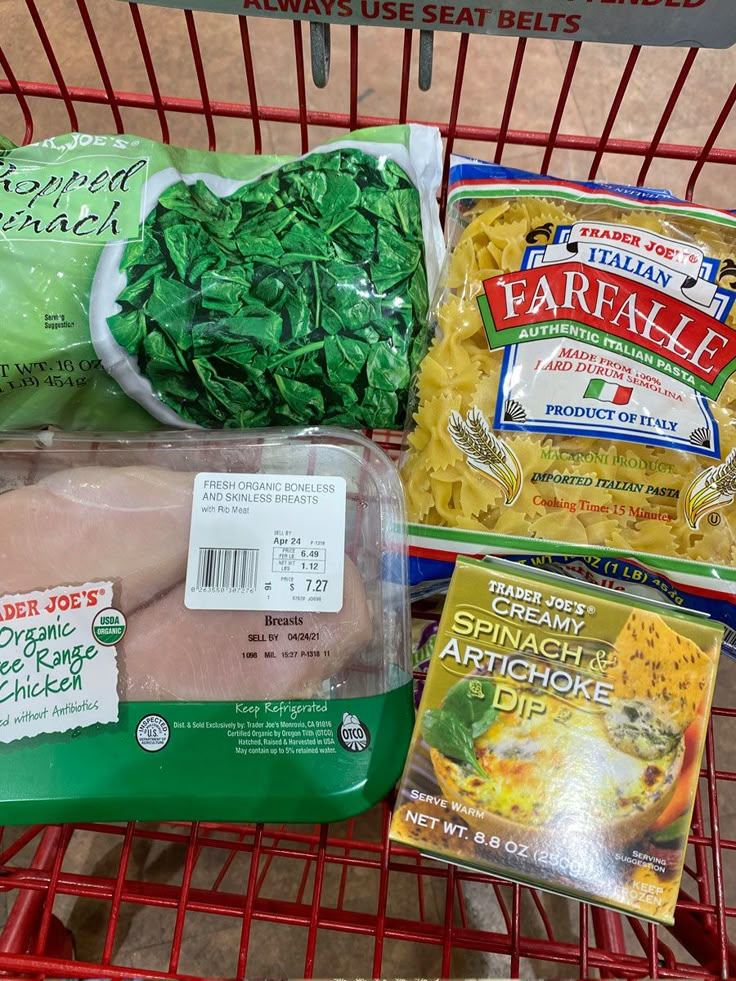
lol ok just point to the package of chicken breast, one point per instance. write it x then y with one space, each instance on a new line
200 626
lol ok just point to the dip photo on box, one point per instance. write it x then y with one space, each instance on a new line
559 737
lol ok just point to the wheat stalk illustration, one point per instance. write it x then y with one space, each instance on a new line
472 442
724 477
486 452
714 488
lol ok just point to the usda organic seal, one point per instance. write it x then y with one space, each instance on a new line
109 626
152 733
352 734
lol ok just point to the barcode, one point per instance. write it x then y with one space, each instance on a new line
231 569
729 638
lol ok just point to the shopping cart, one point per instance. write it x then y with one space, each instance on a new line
318 901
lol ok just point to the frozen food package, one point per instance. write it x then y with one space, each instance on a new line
579 395
201 626
174 287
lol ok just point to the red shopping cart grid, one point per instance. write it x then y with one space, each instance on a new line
142 901
344 883
491 121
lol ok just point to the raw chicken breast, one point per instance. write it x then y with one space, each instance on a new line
172 653
126 524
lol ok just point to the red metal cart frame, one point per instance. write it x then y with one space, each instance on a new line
33 942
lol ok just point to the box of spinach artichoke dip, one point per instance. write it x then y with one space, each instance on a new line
559 737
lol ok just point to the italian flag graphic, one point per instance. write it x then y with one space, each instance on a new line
605 391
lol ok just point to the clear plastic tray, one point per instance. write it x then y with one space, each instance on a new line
206 696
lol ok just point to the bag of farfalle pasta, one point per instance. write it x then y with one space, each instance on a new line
580 394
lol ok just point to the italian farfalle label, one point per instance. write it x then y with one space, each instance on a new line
611 331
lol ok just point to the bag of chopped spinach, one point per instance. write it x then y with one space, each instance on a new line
145 284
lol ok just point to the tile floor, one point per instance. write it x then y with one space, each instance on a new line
211 943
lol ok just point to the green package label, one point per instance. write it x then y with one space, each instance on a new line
307 760
148 285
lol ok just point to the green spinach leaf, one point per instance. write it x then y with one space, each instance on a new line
471 702
345 358
388 370
443 731
129 329
379 406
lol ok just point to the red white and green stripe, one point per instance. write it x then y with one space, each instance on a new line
603 391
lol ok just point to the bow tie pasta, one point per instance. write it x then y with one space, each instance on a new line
579 388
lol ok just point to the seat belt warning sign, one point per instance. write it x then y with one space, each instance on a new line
698 23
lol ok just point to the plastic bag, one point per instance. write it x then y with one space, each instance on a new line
579 397
150 284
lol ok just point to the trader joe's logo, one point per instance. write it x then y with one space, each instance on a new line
625 290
